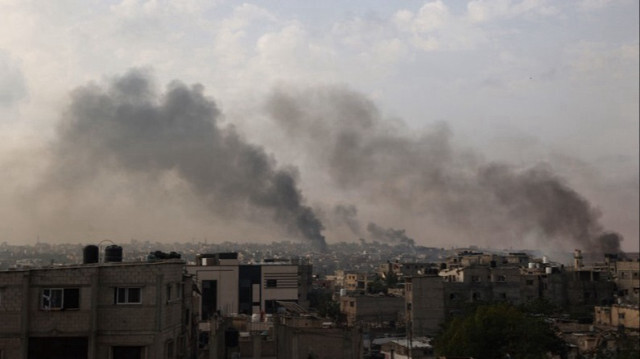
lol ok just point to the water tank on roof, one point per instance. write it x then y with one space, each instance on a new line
113 253
90 254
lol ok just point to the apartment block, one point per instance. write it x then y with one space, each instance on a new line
98 311
229 287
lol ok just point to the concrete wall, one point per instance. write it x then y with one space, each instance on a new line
287 283
227 278
320 343
425 304
372 309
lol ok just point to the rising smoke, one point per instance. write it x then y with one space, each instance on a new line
421 174
126 127
389 235
126 132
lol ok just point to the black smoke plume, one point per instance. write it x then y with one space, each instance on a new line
420 174
127 127
389 235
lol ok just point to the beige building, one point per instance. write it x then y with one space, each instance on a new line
618 316
97 311
228 287
353 281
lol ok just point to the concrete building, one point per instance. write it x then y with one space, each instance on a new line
476 277
229 287
373 310
98 311
627 279
626 316
352 281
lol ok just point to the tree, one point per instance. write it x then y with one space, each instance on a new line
497 331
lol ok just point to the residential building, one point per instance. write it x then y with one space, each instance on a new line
476 277
229 287
627 316
98 311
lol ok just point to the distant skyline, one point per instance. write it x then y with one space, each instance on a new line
444 122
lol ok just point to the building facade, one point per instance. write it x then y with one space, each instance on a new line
98 311
229 287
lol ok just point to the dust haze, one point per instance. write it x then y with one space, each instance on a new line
129 160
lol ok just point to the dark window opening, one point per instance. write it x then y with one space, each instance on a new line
127 296
209 298
58 347
127 352
60 298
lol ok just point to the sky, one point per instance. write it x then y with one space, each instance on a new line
501 123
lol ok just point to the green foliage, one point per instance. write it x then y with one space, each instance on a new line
322 301
391 280
376 286
493 331
330 309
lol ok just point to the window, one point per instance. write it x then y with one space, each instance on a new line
272 283
620 315
127 296
60 298
502 296
529 281
475 278
501 278
168 292
179 290
352 304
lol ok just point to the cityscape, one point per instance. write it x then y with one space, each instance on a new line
286 179
289 300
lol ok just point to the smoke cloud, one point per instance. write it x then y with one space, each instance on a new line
389 235
347 215
421 174
127 128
